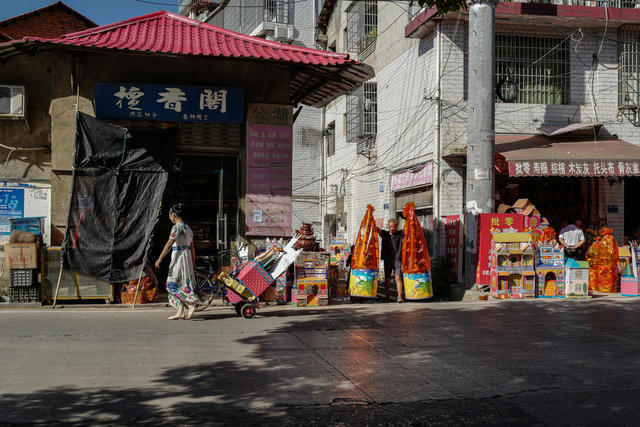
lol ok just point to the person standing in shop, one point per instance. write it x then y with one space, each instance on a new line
572 240
391 254
181 276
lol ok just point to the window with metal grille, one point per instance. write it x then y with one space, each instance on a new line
370 107
277 11
362 27
331 139
362 117
629 66
539 67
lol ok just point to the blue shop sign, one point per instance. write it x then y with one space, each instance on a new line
169 103
11 206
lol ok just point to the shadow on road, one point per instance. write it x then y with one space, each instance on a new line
509 363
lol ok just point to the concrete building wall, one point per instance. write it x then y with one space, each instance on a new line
406 78
52 98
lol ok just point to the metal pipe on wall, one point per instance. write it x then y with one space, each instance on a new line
323 164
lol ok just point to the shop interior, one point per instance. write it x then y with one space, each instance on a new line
208 185
632 208
559 199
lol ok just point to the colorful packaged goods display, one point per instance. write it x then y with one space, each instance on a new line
550 271
548 237
603 263
311 284
416 264
576 279
283 293
630 281
364 260
312 291
147 293
533 220
512 266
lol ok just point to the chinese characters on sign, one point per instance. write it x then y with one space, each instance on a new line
169 103
496 222
452 230
409 179
574 168
270 114
269 154
11 206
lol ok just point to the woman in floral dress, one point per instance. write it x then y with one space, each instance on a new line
180 278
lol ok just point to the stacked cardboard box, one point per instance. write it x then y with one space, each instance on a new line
23 261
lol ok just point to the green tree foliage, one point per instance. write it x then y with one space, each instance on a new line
443 6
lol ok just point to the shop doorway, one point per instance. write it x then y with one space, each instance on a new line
632 207
208 185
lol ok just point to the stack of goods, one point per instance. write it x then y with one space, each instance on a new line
533 220
364 260
550 269
147 293
416 264
512 265
276 259
283 292
23 260
307 240
603 262
312 282
630 281
272 293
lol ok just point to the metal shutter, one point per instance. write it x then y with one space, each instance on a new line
422 199
210 137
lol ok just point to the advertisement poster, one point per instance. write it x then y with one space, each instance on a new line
453 247
11 206
269 157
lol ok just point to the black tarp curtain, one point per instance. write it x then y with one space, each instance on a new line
119 177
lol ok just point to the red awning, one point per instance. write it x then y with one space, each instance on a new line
538 155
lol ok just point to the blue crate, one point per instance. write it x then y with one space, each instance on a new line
33 225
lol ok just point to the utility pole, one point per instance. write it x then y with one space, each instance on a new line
481 131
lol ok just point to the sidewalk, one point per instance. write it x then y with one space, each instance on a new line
470 297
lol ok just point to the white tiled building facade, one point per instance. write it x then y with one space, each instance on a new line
406 79
293 22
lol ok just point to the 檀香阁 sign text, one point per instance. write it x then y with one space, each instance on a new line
169 103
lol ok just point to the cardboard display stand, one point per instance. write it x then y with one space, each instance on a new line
550 271
576 279
512 269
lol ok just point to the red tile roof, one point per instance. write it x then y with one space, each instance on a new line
316 77
166 32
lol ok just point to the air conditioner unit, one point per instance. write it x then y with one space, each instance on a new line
283 32
12 102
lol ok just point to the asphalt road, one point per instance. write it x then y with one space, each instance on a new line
539 362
